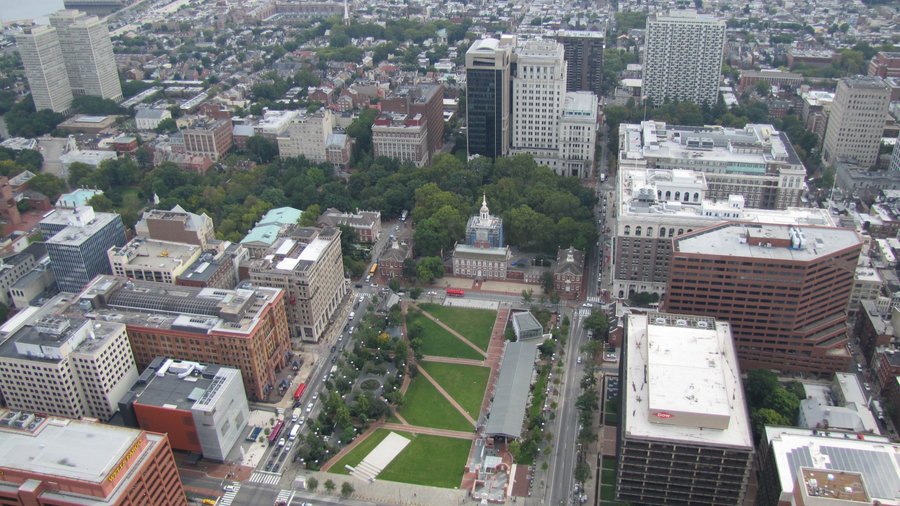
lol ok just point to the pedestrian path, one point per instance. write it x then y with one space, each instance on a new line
265 477
453 360
415 429
447 396
228 497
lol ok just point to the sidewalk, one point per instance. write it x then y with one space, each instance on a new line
391 492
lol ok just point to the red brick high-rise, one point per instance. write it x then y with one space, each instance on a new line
783 289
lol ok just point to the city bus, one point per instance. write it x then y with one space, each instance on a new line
276 431
299 391
373 269
455 292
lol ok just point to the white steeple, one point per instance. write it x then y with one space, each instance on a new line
485 212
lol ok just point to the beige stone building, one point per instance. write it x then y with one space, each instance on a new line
402 137
149 260
70 367
307 264
307 136
857 120
177 225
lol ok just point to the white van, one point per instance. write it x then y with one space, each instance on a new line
352 314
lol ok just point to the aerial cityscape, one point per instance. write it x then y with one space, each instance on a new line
437 253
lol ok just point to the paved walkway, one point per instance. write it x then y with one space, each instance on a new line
450 330
415 429
447 396
451 360
347 449
392 492
495 353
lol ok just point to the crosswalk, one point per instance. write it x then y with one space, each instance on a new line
265 477
228 497
584 311
595 300
285 497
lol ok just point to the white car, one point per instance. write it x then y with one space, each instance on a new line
308 410
229 488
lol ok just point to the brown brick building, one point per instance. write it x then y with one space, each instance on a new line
424 99
244 328
568 275
785 290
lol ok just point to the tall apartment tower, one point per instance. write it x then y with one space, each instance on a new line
683 57
45 68
784 290
584 59
557 127
684 437
488 96
88 53
857 120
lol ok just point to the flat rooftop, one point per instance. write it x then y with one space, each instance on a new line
512 389
839 486
52 338
176 384
684 382
67 448
743 150
75 231
637 179
149 254
165 306
874 457
740 240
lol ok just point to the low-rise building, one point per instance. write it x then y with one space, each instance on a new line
210 271
526 326
366 224
170 392
49 460
177 225
148 118
150 260
785 451
568 273
338 148
779 78
867 285
64 366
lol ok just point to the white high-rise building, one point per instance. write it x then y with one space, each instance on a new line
559 129
88 53
857 120
683 57
45 68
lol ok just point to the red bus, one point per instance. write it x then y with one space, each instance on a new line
299 391
455 292
276 431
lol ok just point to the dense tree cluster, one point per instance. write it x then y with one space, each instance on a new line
22 120
770 402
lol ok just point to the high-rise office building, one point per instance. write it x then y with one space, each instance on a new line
45 68
306 263
857 120
70 367
684 437
488 100
895 156
650 210
88 52
48 460
77 241
784 290
539 91
558 128
243 328
683 57
584 59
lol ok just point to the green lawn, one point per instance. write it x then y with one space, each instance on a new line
429 460
426 407
437 341
465 383
475 324
357 454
